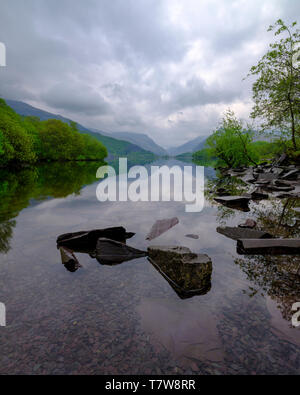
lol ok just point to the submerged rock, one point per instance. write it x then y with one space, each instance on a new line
161 226
189 274
243 233
86 241
69 260
268 246
111 252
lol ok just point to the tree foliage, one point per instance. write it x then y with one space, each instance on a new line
231 143
276 92
26 140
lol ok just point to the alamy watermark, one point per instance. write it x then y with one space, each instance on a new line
2 55
296 316
166 184
2 314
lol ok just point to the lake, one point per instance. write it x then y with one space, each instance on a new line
127 318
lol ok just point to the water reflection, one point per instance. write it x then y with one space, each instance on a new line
275 276
127 319
20 189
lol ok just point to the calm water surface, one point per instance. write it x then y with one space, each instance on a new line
127 319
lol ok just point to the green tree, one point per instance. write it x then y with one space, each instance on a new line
231 143
276 92
16 145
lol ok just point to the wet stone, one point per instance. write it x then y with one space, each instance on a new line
237 233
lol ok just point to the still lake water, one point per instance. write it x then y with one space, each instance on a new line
127 319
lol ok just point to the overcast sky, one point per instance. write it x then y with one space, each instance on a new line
168 68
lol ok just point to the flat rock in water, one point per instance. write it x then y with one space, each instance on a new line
249 223
243 233
191 236
111 252
291 175
237 202
161 226
86 240
188 274
268 246
277 170
248 178
266 177
281 188
259 193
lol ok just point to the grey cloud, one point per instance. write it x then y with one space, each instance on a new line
126 64
76 99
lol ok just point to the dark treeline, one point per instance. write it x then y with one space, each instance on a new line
27 140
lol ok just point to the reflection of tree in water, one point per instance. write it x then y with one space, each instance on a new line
278 217
276 276
55 180
230 186
6 232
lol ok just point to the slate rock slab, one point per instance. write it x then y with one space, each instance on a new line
111 252
192 236
237 233
86 240
237 202
161 226
268 246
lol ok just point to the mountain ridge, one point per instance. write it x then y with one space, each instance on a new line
191 146
140 139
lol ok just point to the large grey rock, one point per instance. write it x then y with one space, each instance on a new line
268 246
111 252
189 274
243 233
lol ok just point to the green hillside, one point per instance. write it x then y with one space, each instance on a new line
27 140
115 147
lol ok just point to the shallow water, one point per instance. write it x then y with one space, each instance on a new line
127 319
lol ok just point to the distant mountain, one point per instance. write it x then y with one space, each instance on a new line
142 140
115 147
191 146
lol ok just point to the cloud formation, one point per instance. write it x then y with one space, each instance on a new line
166 68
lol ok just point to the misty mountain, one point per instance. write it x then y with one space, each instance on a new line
115 147
142 140
191 146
